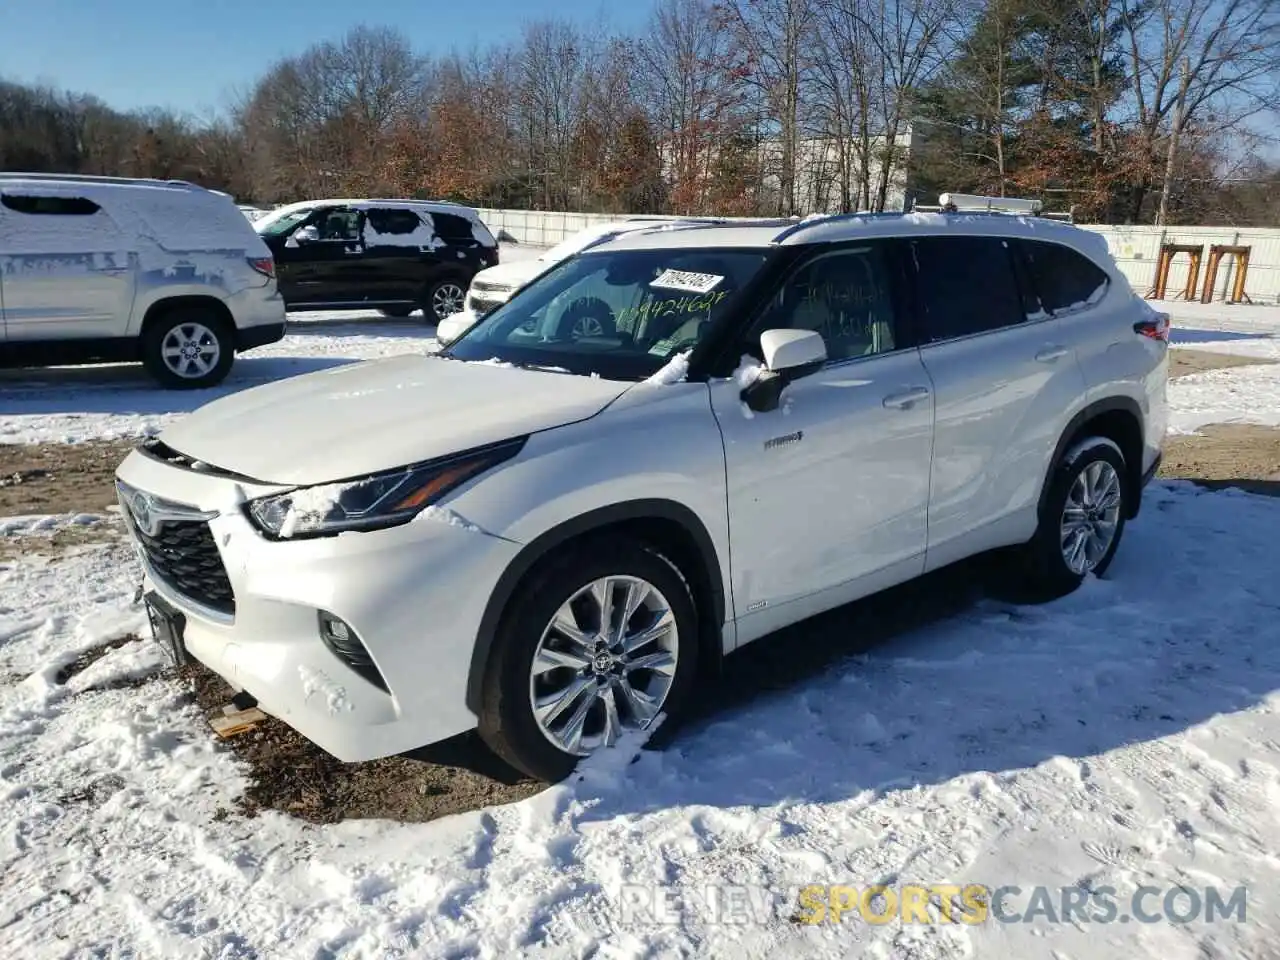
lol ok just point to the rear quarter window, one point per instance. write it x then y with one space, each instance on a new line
34 205
35 222
1067 281
459 230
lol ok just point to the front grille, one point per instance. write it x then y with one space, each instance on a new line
489 286
183 554
482 305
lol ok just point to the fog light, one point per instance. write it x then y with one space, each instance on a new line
335 628
341 639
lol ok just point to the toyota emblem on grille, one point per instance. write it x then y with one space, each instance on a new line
143 511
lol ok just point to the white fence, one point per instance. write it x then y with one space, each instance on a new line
1136 249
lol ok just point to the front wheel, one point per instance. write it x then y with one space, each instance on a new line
188 348
1082 519
596 645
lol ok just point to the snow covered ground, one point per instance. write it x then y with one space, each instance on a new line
1127 736
1235 395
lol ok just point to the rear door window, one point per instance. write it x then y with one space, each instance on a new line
964 286
393 221
1066 281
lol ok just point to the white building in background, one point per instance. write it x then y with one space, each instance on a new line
821 165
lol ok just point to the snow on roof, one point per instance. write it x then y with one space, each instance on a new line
175 215
481 233
443 206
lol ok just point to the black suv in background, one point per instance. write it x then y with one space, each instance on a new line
392 255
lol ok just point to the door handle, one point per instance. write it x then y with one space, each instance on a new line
900 401
1050 354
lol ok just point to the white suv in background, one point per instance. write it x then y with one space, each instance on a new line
782 419
106 269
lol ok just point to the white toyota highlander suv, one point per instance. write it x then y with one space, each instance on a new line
551 537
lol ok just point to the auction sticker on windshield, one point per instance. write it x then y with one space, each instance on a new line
684 280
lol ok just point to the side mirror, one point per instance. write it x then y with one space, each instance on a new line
788 356
308 234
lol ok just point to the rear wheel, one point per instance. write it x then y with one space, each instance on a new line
442 299
188 348
1082 519
595 645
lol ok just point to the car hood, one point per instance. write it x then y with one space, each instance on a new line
512 275
380 414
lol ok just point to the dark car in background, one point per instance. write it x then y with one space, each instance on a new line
396 256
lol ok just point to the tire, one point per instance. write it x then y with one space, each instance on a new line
448 290
1096 464
398 312
199 329
507 719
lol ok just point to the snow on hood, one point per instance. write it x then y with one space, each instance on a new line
380 414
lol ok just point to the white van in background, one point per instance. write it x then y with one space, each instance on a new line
109 270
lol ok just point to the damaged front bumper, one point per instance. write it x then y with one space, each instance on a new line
410 599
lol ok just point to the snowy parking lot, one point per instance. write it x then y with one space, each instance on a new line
1124 738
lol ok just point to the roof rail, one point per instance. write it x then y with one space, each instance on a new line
91 178
933 208
814 221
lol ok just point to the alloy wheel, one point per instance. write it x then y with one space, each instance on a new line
1090 517
447 299
604 665
190 350
586 327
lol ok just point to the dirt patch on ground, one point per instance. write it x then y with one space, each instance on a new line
60 541
59 477
290 773
1227 455
1185 362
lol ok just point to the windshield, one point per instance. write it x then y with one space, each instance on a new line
275 226
620 314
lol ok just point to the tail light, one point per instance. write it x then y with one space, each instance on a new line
264 265
1154 328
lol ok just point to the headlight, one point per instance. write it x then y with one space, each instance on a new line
373 502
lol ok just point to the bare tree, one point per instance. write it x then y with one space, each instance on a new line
681 70
773 43
843 96
1210 62
911 43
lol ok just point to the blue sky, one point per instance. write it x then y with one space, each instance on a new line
191 55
